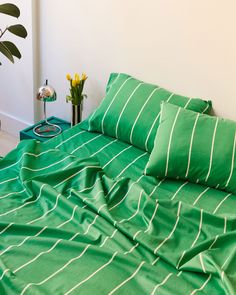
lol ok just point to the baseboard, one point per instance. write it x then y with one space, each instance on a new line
11 124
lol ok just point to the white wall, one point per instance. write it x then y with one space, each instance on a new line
186 46
16 80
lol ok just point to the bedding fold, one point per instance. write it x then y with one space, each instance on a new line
67 227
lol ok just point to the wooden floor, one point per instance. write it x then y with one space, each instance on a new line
7 143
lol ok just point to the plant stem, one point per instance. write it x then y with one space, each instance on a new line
2 32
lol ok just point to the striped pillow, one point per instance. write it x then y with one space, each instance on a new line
131 110
194 147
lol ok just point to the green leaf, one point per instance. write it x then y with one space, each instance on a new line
68 98
12 48
18 30
5 51
10 9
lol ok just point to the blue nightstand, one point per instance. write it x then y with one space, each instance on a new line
28 133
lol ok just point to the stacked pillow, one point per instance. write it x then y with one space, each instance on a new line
130 110
188 144
194 147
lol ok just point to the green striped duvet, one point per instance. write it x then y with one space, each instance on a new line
77 216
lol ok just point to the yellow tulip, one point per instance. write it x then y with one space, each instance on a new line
77 78
74 83
84 77
68 77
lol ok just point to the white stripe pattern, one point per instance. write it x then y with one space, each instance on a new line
112 159
225 224
124 107
232 163
221 202
194 242
156 187
135 213
171 233
162 283
36 200
107 238
130 164
191 144
57 241
213 243
153 215
170 139
75 135
25 204
136 234
9 180
154 122
114 97
128 279
178 190
156 260
105 146
42 153
46 213
199 229
212 149
22 242
29 154
37 155
71 176
201 194
49 250
140 112
79 147
55 273
201 262
93 274
227 259
46 167
37 256
132 249
118 203
207 107
202 287
71 218
187 103
6 228
12 193
94 113
181 257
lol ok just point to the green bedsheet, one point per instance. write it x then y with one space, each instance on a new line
77 216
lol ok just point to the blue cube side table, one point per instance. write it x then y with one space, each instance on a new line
28 133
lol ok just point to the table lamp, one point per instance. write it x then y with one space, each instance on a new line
46 93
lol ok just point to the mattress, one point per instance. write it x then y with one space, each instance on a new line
78 216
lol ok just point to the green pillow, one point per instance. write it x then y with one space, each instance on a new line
130 110
195 147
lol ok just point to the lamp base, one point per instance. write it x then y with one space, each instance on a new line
47 129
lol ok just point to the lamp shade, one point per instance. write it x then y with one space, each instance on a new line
46 93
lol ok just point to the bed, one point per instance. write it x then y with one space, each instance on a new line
78 215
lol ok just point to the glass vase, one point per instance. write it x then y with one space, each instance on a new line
76 114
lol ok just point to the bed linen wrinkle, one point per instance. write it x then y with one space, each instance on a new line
78 211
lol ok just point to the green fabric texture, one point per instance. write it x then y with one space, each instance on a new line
194 147
130 110
77 216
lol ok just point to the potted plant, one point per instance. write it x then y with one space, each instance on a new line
8 48
76 96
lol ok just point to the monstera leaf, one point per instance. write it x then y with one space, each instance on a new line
7 48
